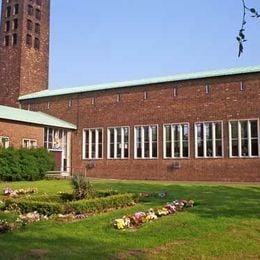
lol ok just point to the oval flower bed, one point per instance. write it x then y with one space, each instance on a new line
135 220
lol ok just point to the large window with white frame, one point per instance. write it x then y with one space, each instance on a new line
146 142
118 143
29 143
176 140
4 142
55 139
209 139
93 143
244 138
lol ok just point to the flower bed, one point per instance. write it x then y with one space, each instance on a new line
135 220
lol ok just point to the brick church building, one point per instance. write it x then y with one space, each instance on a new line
189 127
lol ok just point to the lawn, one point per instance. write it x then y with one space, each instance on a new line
224 224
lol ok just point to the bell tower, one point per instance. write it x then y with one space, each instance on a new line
24 48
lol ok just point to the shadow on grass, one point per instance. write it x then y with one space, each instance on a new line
211 201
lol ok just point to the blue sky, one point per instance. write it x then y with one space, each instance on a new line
98 41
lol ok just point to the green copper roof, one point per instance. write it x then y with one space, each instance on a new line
136 83
38 118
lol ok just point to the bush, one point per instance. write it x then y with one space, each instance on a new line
82 188
24 164
100 204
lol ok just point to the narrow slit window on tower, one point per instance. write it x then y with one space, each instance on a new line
93 100
7 26
37 28
38 14
36 43
207 89
242 86
145 95
8 11
15 39
15 24
16 9
29 40
30 10
175 92
29 25
6 43
118 98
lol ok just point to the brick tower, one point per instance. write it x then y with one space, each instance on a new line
24 48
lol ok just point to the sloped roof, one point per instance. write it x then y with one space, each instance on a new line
136 83
38 118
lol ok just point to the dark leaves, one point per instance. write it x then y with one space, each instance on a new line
241 38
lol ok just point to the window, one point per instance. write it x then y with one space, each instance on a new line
15 24
38 14
7 26
4 142
244 138
70 102
55 139
16 9
118 143
14 39
93 143
29 25
37 28
36 43
146 142
30 10
209 139
176 141
6 43
29 40
29 143
8 11
118 98
93 101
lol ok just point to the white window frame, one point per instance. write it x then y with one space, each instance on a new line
30 141
122 157
142 141
172 141
205 140
96 144
239 138
8 144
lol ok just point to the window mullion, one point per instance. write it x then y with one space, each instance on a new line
150 142
89 144
249 138
122 143
108 143
196 141
172 140
142 141
96 143
115 143
204 140
181 141
239 139
214 139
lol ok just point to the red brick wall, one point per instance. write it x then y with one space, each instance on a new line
192 104
18 131
23 70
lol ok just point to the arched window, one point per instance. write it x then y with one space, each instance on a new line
29 40
30 10
15 39
29 25
36 43
37 28
16 9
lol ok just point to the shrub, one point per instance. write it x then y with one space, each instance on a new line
24 164
82 188
100 204
42 207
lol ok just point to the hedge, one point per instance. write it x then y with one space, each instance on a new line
31 204
100 204
24 164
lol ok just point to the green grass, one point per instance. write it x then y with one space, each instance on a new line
225 224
